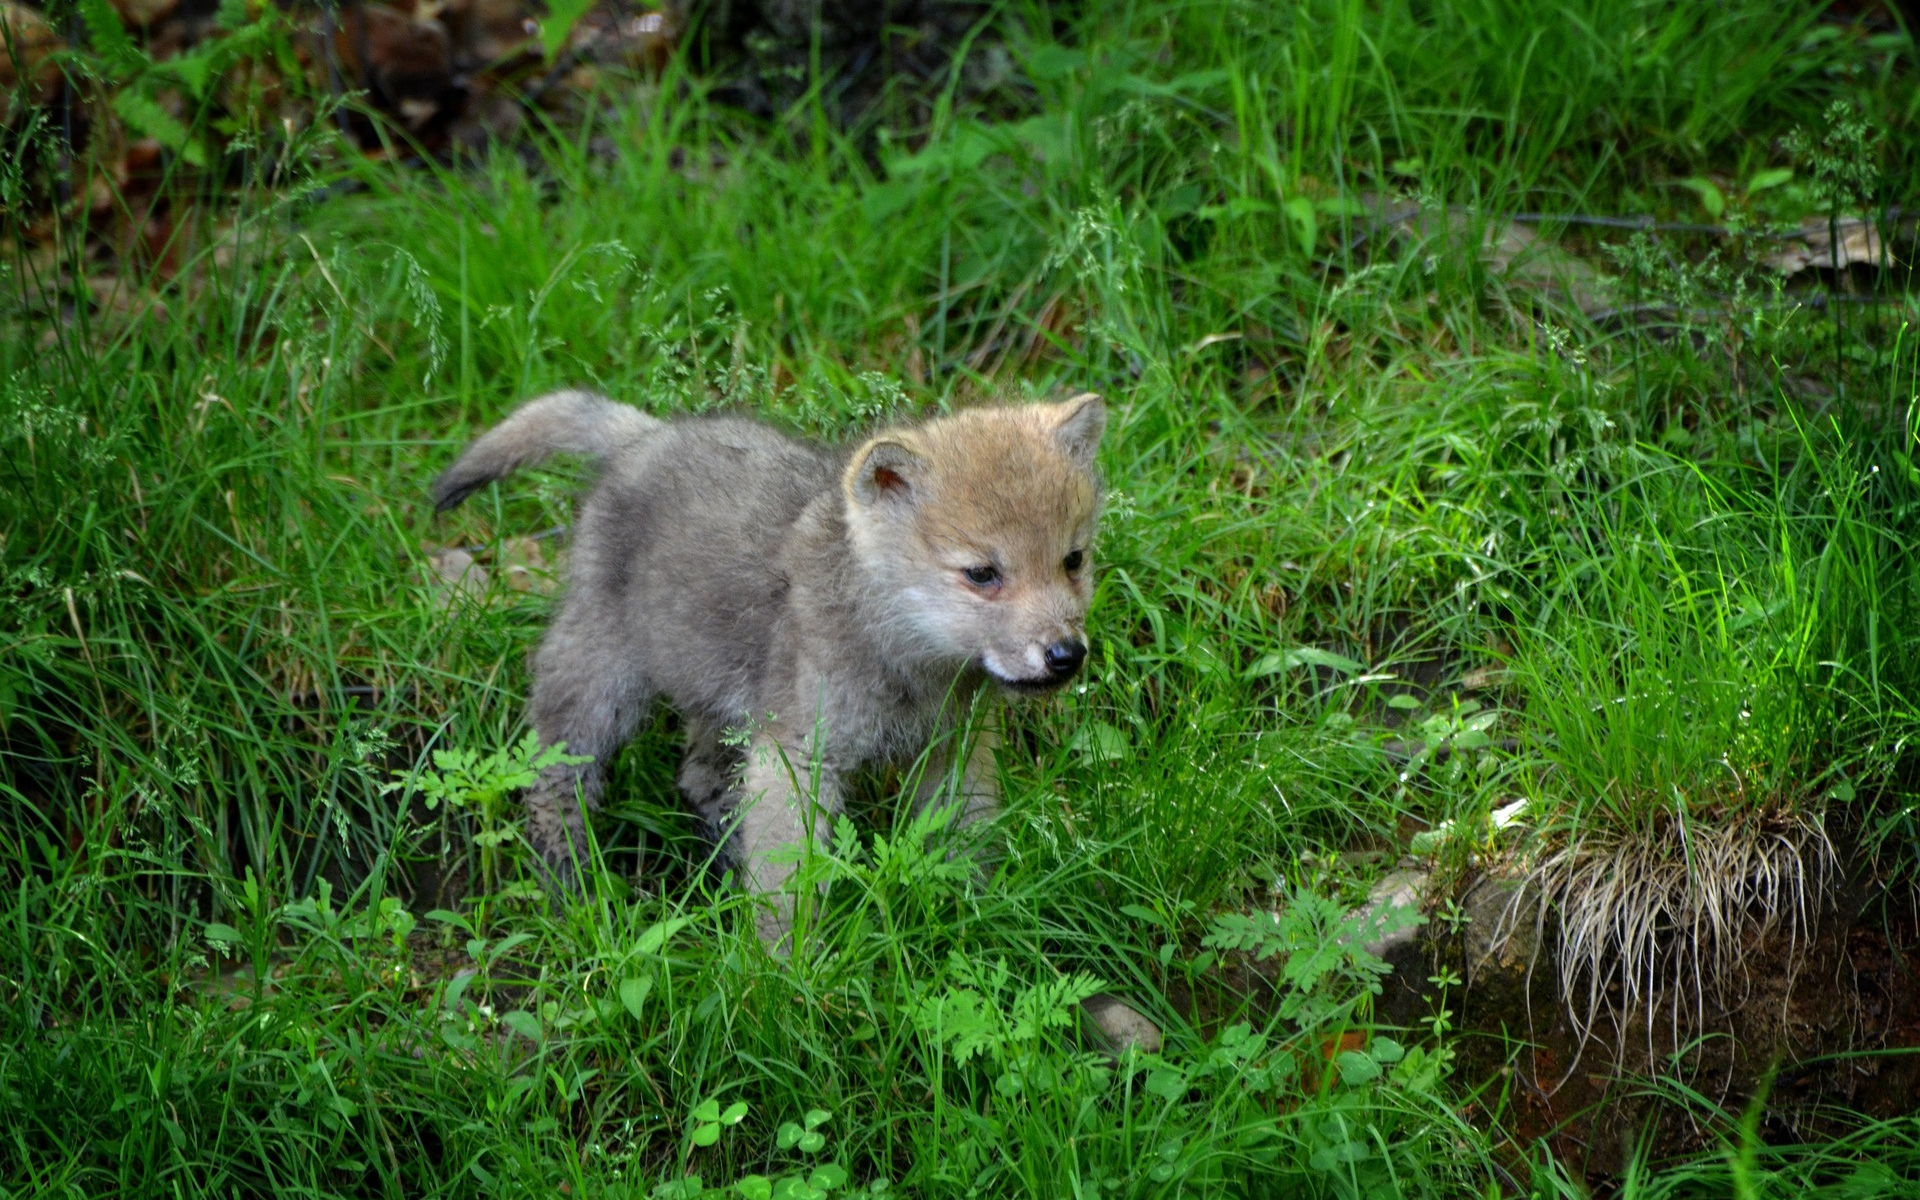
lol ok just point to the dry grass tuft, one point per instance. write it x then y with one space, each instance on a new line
1658 925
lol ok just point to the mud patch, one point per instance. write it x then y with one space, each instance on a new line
1825 1020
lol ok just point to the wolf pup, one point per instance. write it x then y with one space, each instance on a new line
841 610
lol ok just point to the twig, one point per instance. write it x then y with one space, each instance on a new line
543 535
345 303
329 32
1786 301
1388 215
1409 750
371 693
1649 225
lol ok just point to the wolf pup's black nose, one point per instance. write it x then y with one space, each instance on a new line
1064 658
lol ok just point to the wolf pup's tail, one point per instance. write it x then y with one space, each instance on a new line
571 422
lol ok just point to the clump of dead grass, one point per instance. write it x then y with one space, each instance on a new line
1657 926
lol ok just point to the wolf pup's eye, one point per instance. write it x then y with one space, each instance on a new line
982 577
1074 561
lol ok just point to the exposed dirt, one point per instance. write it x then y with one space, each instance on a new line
1835 1020
1830 1021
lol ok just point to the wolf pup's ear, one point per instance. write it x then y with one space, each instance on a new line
1082 420
883 469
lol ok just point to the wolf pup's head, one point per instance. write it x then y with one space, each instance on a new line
979 529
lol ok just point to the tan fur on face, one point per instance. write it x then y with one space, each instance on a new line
1011 488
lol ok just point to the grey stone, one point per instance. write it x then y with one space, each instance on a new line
1396 889
1502 932
456 577
1403 948
1119 1026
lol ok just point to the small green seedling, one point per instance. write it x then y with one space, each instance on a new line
708 1120
807 1138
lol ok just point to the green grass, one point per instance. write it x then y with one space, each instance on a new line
1364 491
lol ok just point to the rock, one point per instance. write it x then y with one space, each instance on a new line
1502 926
1118 1026
1526 259
1516 253
1503 952
456 577
1858 241
1391 914
1402 889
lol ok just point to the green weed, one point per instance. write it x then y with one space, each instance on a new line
1391 542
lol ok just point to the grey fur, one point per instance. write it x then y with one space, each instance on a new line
814 600
569 422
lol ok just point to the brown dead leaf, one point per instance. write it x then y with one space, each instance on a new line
26 44
1516 253
488 33
1859 242
256 86
144 160
142 13
120 297
521 563
406 65
1058 320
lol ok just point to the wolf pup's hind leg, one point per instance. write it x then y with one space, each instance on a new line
591 701
710 777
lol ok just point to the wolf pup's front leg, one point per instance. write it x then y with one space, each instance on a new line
974 794
787 801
